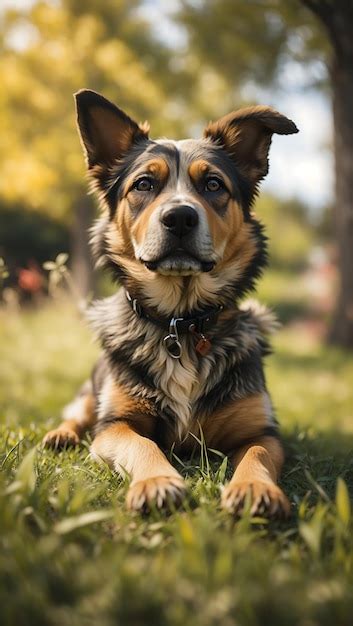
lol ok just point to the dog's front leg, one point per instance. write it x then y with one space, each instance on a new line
258 467
154 482
78 416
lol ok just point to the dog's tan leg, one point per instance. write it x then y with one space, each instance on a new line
154 482
78 416
258 466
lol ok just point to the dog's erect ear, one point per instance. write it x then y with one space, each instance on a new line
246 136
107 133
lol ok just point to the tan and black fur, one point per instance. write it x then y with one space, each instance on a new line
178 232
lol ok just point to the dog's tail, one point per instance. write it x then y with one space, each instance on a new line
265 318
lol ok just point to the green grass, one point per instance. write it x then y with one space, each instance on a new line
72 556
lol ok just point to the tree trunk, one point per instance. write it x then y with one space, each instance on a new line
341 332
342 327
337 19
81 259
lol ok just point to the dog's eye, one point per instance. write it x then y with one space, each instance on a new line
144 184
213 184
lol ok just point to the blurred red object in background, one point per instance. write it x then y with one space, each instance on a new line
30 280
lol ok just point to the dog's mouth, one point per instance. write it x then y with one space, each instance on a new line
179 263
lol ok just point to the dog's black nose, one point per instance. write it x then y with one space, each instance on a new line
180 220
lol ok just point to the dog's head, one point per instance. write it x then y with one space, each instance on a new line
179 208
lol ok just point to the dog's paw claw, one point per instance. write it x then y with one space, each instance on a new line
266 499
60 438
161 492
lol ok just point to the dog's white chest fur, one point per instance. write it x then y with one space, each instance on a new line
177 381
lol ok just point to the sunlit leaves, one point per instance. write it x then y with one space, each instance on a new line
343 503
3 270
74 46
57 270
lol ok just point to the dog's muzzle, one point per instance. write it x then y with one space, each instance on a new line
179 224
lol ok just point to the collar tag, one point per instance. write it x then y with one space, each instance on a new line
171 341
203 344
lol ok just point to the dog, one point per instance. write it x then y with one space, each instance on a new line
181 354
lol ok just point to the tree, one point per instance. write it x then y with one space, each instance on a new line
336 17
244 41
48 52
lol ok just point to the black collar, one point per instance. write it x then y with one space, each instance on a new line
198 323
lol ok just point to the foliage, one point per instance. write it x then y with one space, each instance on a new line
3 270
280 31
71 554
29 235
291 235
69 45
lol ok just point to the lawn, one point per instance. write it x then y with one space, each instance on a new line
71 555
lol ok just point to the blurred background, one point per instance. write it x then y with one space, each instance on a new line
179 64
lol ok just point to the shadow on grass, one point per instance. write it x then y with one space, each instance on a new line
315 461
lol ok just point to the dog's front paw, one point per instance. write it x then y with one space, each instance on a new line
266 499
61 438
161 492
